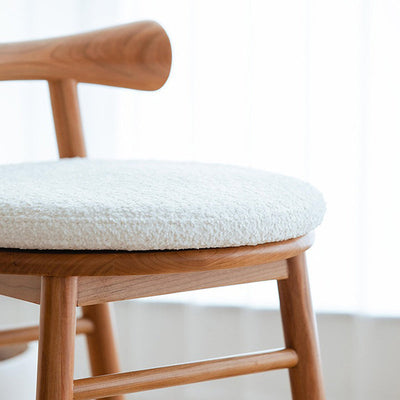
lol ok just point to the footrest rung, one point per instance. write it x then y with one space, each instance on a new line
181 374
31 333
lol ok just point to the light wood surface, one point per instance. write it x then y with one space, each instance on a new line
135 56
298 321
109 263
182 374
31 333
102 289
101 342
99 289
57 338
67 118
23 287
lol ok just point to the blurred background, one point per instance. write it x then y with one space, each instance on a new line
309 88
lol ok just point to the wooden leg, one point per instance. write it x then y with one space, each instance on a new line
300 332
101 343
57 338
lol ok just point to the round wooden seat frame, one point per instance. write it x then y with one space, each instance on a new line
136 56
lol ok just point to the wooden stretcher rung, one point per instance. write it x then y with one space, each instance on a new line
129 382
31 333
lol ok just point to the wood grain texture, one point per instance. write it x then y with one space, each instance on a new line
108 263
67 118
135 56
23 287
101 342
99 289
57 338
182 374
31 333
300 332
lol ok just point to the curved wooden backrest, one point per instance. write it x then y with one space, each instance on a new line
135 56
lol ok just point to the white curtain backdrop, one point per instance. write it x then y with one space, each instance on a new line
309 88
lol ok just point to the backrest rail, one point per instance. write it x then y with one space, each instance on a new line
134 56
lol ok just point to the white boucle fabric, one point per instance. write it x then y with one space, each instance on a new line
81 204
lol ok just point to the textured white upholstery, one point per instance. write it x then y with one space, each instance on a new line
143 205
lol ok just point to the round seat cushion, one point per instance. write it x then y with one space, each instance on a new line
81 204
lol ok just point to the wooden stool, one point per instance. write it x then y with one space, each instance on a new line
136 56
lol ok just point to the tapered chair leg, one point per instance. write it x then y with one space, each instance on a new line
57 338
299 327
101 342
